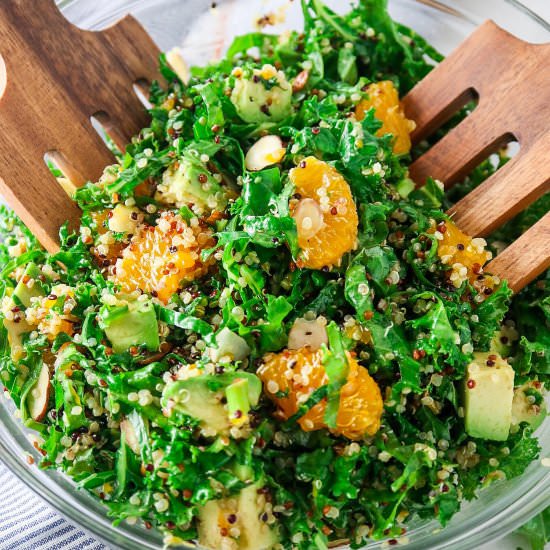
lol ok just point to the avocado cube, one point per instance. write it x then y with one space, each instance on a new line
526 410
194 398
202 397
263 96
488 395
247 507
501 342
190 182
22 292
15 337
135 325
230 345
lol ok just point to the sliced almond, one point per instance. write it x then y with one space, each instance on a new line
160 464
266 151
130 436
309 218
39 395
300 81
308 333
178 64
229 345
123 219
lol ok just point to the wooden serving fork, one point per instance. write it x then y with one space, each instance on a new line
511 80
54 77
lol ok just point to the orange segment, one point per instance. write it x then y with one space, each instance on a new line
466 256
298 373
325 214
383 97
159 259
53 326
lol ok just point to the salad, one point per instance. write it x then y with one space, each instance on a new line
263 335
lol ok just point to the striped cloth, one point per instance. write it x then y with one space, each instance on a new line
27 523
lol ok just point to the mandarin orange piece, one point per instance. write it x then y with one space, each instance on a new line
160 258
383 97
325 214
298 373
466 256
52 326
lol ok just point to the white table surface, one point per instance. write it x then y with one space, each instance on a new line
540 7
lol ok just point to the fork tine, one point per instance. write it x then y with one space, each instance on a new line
526 258
20 111
450 85
522 180
424 105
39 200
90 166
141 53
127 38
125 109
127 117
119 128
456 154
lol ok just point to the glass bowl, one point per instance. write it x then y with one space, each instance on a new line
203 32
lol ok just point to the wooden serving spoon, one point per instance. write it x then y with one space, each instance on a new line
55 76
